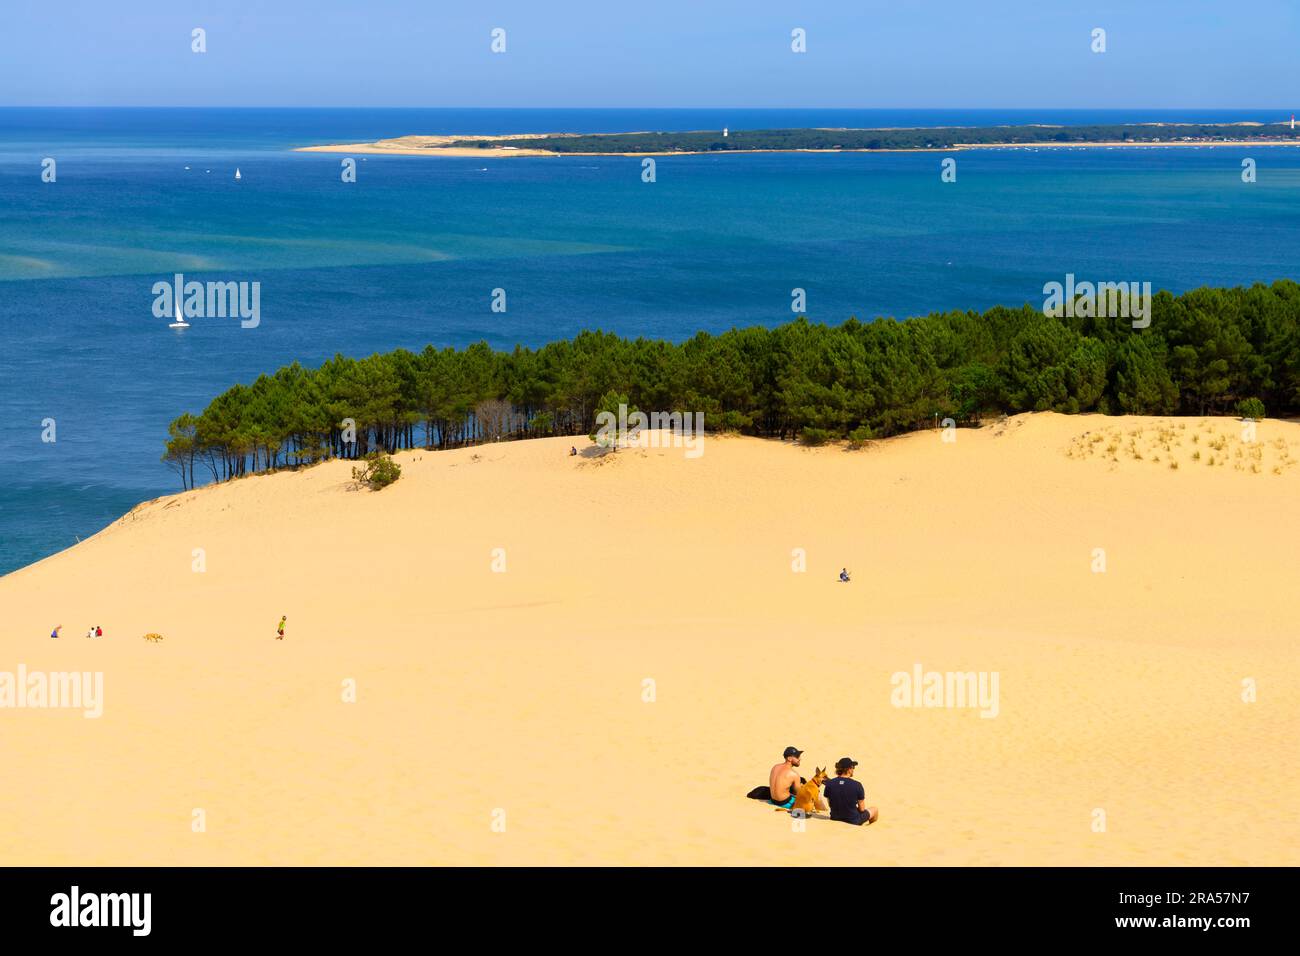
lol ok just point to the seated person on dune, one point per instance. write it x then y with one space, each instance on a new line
783 781
847 798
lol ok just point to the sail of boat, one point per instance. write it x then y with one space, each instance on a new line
180 322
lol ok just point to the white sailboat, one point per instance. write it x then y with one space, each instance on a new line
180 322
237 176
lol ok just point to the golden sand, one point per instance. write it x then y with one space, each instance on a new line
519 696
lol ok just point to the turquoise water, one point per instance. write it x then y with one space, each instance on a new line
410 253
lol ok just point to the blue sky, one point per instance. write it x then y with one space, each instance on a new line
612 53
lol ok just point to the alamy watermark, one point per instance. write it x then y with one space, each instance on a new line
1102 300
950 689
208 300
127 910
53 690
655 430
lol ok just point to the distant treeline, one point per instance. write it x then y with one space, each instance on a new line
706 141
1206 351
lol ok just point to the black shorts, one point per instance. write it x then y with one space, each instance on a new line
858 819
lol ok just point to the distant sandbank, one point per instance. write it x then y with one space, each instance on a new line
447 146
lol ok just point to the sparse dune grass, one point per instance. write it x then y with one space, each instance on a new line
1224 437
500 619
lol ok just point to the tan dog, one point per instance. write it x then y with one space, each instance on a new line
153 637
808 798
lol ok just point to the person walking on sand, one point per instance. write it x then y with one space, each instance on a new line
55 633
847 798
279 633
99 631
783 781
844 575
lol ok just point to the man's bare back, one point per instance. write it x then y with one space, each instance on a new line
783 781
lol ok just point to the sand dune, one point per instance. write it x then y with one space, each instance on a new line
480 690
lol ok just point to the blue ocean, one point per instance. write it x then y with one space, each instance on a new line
410 253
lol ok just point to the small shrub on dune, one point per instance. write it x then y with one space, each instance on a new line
1251 408
814 436
859 437
378 471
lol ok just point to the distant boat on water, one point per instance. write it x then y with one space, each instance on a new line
237 176
180 322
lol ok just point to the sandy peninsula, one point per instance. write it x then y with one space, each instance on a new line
444 146
430 146
590 659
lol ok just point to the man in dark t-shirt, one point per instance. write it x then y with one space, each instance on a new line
846 796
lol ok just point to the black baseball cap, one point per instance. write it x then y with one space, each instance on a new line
792 752
844 763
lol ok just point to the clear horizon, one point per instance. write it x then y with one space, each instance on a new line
332 54
701 108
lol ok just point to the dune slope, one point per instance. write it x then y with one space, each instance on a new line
589 660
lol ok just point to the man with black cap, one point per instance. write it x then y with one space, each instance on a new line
847 798
783 781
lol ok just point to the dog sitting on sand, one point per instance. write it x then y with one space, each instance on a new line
808 798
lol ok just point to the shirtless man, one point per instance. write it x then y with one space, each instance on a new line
783 781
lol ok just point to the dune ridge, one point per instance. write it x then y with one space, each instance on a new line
501 608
